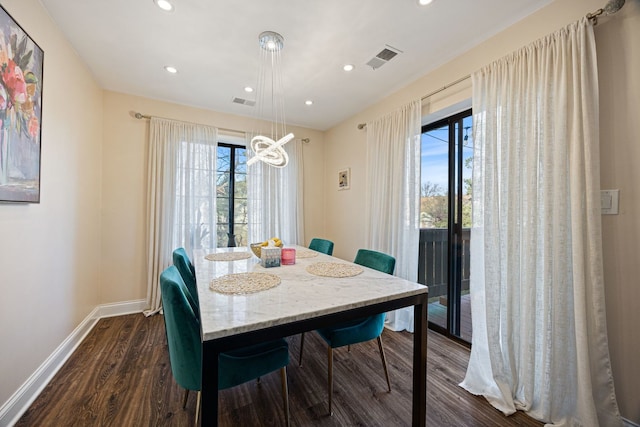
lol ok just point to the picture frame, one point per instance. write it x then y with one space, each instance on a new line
344 179
21 74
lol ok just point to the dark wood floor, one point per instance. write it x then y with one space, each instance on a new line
438 315
120 376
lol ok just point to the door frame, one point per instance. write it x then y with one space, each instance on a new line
455 229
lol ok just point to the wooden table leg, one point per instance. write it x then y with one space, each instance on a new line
420 363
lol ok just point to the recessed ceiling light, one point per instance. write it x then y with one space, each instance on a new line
164 5
424 2
308 102
171 69
248 89
348 67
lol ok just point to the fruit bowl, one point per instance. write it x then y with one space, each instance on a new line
256 248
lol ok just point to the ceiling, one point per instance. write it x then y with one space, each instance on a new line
214 46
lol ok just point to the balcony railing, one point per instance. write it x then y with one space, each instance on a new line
432 261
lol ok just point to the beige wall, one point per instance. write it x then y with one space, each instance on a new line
124 184
84 244
618 45
50 252
619 68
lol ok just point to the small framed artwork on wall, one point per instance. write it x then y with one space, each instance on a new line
344 179
20 113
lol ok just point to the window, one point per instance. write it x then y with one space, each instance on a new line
231 195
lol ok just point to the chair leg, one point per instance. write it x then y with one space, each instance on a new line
285 394
384 362
330 379
184 400
198 401
301 348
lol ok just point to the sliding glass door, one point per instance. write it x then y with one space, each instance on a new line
445 221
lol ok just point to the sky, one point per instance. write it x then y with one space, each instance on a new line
435 153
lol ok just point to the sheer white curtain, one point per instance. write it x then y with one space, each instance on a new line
181 192
275 198
393 195
539 331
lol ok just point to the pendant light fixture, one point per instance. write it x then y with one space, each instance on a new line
268 145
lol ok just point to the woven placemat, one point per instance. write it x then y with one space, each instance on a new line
305 253
334 269
228 256
244 283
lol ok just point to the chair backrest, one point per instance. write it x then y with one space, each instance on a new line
376 260
321 245
188 273
183 330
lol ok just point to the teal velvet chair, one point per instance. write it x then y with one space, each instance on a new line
359 330
326 247
321 245
185 347
188 273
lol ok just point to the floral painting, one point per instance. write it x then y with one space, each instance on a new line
20 113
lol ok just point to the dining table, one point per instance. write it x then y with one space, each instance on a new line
316 291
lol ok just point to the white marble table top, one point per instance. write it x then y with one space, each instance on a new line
300 295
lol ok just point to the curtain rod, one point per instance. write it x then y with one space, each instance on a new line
145 116
140 116
430 94
609 9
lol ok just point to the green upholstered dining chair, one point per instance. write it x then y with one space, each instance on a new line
188 273
185 347
359 330
326 247
321 245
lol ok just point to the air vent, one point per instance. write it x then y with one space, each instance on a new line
384 56
243 101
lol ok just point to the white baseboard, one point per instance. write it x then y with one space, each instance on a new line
19 402
121 308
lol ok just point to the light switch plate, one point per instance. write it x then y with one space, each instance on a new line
609 202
